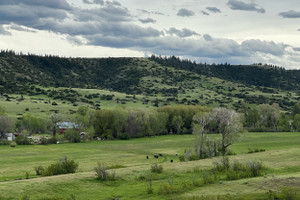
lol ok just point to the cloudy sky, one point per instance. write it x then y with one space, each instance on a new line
212 31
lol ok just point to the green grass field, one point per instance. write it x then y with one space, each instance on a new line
281 160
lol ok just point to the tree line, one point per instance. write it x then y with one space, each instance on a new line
126 123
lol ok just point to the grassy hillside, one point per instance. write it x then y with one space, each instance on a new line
33 83
133 169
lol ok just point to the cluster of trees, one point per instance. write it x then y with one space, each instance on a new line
122 123
267 117
130 123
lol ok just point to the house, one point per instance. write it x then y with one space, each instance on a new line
63 126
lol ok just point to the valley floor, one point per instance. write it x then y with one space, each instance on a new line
128 160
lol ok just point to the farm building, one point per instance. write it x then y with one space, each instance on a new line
63 126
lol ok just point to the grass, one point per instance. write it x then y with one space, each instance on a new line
133 171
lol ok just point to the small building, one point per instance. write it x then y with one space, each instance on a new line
10 136
63 126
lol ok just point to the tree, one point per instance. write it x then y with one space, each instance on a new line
53 120
6 124
199 130
296 109
33 124
177 124
251 118
296 122
229 126
269 116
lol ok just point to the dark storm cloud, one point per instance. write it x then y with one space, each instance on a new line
32 16
109 12
290 14
181 33
213 9
240 5
56 4
183 12
264 47
112 25
148 20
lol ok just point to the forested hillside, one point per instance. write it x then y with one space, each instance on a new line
162 81
256 74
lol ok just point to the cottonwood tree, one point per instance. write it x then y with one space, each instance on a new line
269 116
229 126
199 130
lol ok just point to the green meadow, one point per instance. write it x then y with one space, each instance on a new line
128 160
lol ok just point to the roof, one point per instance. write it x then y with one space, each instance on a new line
67 125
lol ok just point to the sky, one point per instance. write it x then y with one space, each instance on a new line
211 31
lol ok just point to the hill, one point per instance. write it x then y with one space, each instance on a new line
151 81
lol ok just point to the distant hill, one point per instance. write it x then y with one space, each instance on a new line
258 75
169 80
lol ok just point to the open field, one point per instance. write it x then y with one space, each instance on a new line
281 160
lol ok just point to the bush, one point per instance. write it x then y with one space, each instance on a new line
102 173
4 142
39 170
23 140
241 170
156 168
222 164
256 150
171 188
255 168
72 135
64 166
45 141
210 178
181 158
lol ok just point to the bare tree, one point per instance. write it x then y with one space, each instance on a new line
201 141
229 126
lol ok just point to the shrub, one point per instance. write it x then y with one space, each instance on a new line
210 178
4 142
229 152
39 170
171 188
72 135
64 166
255 168
256 150
156 168
244 170
102 173
222 164
23 140
45 141
181 158
27 175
